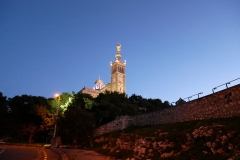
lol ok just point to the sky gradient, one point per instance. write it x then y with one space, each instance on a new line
173 48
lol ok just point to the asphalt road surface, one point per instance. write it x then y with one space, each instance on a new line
8 152
77 154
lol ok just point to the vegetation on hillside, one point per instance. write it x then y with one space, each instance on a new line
31 119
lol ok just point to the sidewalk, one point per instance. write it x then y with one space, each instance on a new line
79 154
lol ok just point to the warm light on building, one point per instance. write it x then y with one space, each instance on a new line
118 78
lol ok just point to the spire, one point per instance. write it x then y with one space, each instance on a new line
118 55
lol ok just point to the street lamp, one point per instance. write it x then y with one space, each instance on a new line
55 127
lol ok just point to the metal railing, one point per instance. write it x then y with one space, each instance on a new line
193 96
224 84
188 98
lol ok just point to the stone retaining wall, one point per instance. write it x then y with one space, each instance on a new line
222 104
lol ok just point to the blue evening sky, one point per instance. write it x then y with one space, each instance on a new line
173 48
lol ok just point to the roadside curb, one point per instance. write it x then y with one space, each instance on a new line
63 155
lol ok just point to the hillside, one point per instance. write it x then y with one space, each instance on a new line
206 139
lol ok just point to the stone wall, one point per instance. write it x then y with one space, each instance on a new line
222 104
119 123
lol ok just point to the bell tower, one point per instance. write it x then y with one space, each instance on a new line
118 74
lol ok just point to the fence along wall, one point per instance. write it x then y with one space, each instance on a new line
222 104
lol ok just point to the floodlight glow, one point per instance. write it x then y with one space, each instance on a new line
56 95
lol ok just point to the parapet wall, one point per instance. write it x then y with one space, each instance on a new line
222 104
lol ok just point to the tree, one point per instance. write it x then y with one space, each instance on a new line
4 114
62 102
108 106
76 126
30 118
166 104
105 112
45 129
88 103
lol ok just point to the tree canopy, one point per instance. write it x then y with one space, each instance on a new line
29 118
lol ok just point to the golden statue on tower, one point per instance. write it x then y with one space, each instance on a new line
118 48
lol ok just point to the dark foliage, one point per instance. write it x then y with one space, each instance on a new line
29 118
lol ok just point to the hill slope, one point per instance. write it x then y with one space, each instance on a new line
206 139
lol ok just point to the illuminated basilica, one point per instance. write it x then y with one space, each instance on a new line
118 78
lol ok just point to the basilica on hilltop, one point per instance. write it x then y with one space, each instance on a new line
118 78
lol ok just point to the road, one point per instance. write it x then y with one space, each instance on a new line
78 154
8 152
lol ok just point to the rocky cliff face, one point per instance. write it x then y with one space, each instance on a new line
209 141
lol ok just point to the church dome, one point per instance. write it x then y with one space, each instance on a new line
99 84
99 81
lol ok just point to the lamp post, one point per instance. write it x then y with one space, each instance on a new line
55 127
